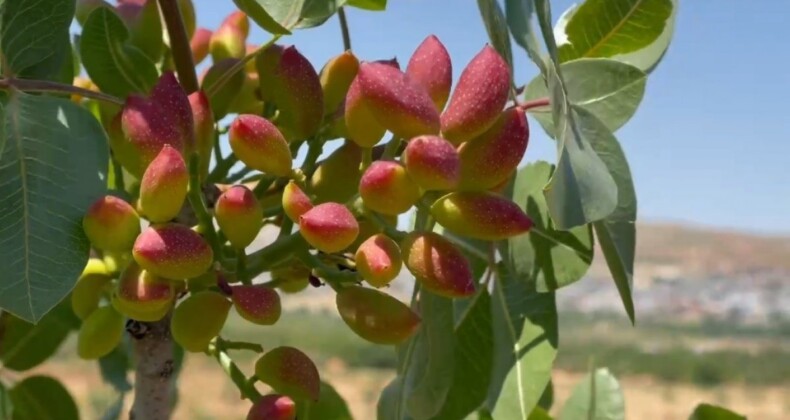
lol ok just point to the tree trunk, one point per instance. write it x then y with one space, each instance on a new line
153 355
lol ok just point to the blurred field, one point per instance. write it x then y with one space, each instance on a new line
661 367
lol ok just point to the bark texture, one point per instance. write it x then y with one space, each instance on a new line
153 355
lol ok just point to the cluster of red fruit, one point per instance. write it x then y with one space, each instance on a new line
455 161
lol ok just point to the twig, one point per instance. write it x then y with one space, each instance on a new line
241 267
54 87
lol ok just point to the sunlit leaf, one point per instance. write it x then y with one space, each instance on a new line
496 27
713 412
610 90
474 352
525 345
330 405
112 62
605 28
616 233
52 168
597 397
375 5
551 258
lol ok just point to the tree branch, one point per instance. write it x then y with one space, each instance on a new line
153 354
54 87
179 45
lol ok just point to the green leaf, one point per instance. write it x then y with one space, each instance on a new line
649 57
496 27
42 398
525 345
581 190
547 399
75 57
222 98
375 5
539 413
390 401
114 411
519 19
148 36
605 28
112 62
562 21
610 90
617 232
278 17
543 13
551 258
35 36
431 368
114 366
316 12
274 16
597 397
66 73
52 169
713 412
6 406
474 351
426 362
482 414
25 346
330 406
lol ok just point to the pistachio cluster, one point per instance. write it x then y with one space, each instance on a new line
450 153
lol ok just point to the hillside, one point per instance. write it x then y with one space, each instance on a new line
673 250
688 273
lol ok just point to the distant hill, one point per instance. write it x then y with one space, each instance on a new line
690 272
672 250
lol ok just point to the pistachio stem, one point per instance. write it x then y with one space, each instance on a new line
241 267
391 149
234 373
367 158
54 87
274 253
238 345
535 103
195 196
341 14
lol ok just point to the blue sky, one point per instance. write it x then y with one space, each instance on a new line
710 143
